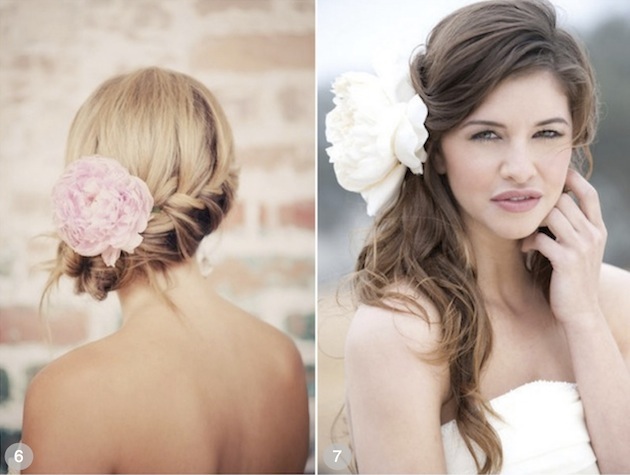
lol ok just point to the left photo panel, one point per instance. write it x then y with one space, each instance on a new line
157 236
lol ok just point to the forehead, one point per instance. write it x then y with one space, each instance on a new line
536 96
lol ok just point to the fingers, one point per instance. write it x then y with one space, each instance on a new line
575 225
587 197
542 243
568 209
569 224
565 221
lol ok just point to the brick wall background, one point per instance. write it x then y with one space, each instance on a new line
257 56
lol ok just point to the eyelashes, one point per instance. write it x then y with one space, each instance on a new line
548 134
484 136
490 135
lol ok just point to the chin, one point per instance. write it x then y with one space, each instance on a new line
516 232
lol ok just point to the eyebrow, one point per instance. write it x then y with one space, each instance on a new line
490 123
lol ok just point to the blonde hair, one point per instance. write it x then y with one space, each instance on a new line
421 241
169 130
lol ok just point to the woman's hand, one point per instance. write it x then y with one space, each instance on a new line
576 254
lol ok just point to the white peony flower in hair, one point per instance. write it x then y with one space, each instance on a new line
377 131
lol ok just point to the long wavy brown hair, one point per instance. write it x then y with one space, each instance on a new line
420 241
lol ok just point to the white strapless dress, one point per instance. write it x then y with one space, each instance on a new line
543 431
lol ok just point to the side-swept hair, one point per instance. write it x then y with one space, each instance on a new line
420 243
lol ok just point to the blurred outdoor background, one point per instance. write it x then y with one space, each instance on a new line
257 56
347 33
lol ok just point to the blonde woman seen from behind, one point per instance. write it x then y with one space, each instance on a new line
489 336
189 383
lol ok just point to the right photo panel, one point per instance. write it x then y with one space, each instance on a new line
473 313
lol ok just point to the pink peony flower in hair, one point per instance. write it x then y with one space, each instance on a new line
99 208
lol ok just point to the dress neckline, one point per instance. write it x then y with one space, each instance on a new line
518 389
538 382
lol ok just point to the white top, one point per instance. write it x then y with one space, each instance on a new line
543 431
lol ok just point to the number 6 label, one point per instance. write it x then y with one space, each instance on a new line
18 456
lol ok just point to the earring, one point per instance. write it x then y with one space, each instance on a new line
207 255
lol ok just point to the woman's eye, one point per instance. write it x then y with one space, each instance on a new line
548 134
485 135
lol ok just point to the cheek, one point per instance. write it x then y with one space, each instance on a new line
470 184
557 167
467 166
479 177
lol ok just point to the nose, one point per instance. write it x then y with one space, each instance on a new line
518 164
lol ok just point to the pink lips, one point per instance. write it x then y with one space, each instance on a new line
517 201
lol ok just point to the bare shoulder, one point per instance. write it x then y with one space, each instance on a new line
394 342
378 331
66 400
614 284
395 392
272 390
614 296
78 375
278 357
285 392
273 348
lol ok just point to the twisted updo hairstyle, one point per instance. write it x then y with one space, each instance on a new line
169 130
420 242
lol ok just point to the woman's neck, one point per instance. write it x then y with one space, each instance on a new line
179 288
501 271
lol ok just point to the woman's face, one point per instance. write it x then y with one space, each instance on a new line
507 162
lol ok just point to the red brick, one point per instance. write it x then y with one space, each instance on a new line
235 218
23 324
300 214
264 216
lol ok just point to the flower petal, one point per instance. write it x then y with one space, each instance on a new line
110 256
411 135
385 192
393 70
99 208
376 131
